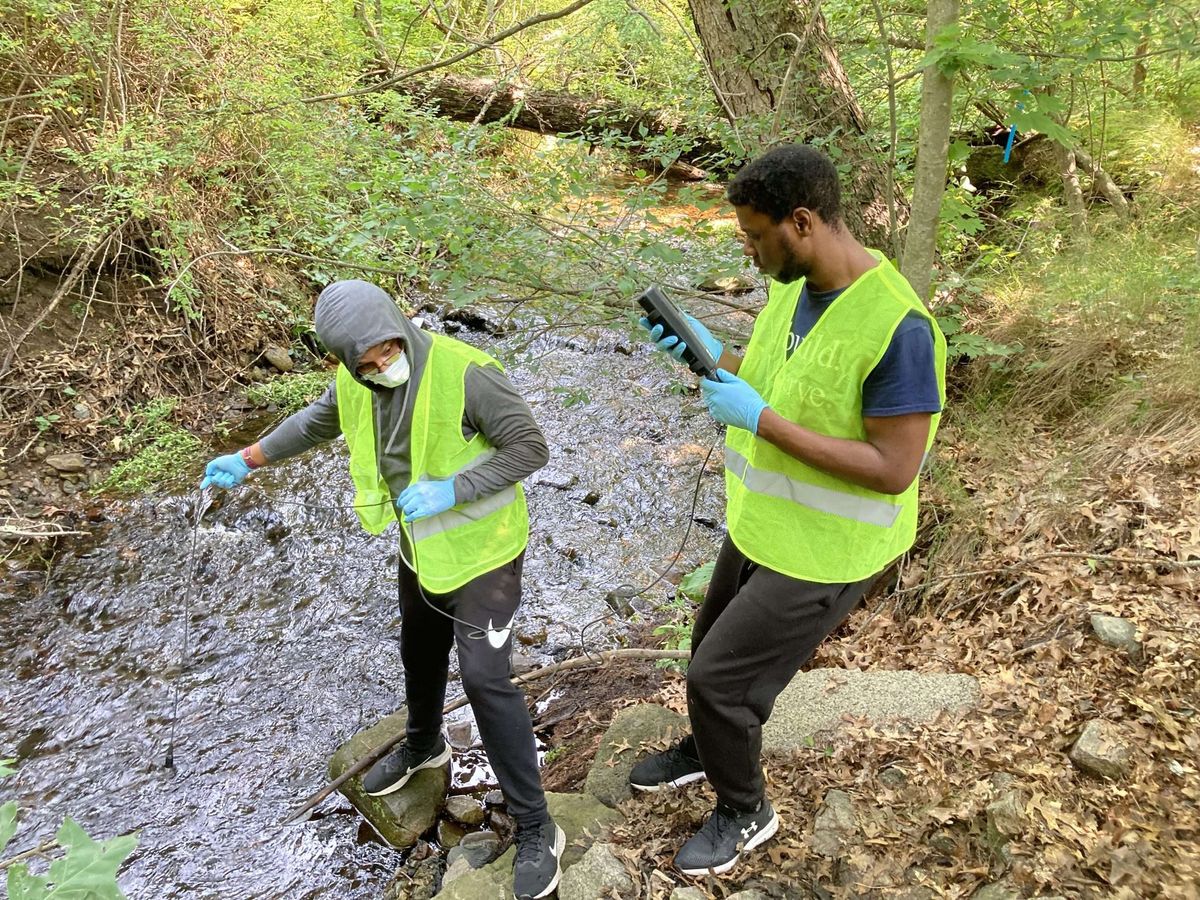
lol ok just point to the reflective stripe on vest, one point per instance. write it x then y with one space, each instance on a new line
458 516
836 503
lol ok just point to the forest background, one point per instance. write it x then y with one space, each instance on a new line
179 179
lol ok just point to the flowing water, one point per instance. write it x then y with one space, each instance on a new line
293 632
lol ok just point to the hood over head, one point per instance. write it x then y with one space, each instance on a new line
353 316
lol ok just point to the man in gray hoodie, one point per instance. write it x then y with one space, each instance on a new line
439 441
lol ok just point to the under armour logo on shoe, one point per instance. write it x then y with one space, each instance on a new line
746 832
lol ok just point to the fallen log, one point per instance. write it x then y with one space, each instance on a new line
485 100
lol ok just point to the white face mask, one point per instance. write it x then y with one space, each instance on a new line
394 374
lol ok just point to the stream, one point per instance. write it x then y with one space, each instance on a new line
294 637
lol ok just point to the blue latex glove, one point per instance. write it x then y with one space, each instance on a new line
674 346
225 471
422 499
732 401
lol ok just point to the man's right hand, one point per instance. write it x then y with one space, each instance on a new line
225 471
674 346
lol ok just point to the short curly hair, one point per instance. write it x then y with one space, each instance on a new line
785 178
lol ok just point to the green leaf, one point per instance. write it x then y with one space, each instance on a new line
6 768
695 583
8 823
24 886
89 869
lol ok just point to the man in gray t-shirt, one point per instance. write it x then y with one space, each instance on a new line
387 354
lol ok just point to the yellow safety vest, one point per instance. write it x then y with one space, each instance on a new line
461 543
789 516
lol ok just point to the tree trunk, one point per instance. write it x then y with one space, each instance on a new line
1139 65
1071 191
773 61
1109 188
483 100
933 151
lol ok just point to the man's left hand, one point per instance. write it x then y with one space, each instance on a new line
732 401
422 499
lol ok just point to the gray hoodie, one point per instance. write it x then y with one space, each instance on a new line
353 316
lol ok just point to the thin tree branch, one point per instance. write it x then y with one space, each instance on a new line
429 67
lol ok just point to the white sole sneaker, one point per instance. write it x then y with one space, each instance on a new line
767 832
432 763
560 844
677 783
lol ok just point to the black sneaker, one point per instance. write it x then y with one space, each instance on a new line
671 768
717 845
393 771
536 869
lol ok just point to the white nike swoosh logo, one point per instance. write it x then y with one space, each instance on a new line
497 636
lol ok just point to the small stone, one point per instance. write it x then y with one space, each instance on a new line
835 825
598 874
943 842
465 810
461 734
1117 632
66 462
279 358
69 488
532 638
478 848
893 778
1099 751
522 663
750 894
449 834
502 822
591 498
563 481
493 798
82 412
1006 817
634 733
688 893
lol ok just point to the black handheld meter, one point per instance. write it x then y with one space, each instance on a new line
661 310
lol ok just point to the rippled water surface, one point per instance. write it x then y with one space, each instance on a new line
294 633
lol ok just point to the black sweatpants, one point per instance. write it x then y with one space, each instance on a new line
753 632
489 603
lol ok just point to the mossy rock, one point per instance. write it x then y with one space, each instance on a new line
399 818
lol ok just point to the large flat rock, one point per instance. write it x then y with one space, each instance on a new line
815 701
399 818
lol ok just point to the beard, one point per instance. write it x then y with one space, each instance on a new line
792 268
